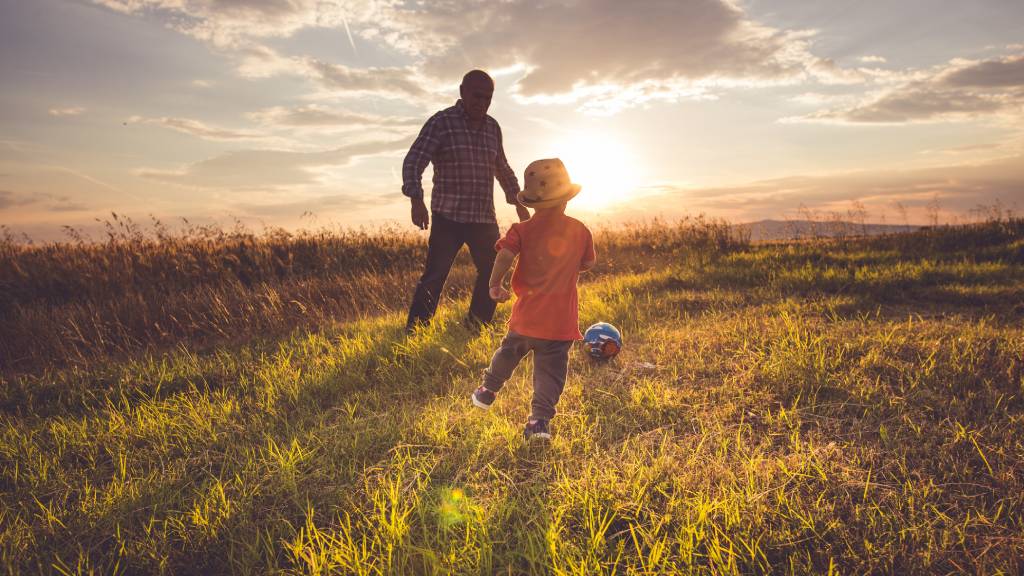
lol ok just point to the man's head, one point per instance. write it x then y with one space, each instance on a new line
476 91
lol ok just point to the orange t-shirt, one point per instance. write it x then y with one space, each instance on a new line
551 246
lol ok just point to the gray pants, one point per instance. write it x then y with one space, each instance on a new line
550 364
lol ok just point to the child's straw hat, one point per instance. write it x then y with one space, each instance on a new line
547 184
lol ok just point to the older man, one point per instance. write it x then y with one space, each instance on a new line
464 144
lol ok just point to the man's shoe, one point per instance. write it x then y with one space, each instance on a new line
473 324
414 324
483 398
537 429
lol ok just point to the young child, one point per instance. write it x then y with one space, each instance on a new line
552 249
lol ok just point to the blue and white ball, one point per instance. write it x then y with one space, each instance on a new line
602 341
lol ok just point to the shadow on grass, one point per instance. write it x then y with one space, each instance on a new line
305 415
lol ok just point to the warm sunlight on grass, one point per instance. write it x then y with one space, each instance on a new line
210 404
603 165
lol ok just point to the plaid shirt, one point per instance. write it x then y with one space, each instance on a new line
466 161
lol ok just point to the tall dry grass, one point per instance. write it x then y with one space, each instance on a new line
823 407
81 301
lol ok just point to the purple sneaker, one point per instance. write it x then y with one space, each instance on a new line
483 398
537 429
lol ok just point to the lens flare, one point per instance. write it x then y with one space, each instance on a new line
604 166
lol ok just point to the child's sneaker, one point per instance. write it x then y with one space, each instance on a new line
537 429
483 398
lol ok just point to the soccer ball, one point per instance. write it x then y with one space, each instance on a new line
602 340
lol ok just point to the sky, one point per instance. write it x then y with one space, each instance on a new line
298 113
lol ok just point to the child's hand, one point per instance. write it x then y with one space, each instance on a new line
499 294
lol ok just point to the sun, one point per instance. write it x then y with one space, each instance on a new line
605 168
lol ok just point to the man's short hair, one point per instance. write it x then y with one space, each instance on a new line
477 75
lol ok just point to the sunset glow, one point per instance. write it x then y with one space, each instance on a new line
290 113
606 169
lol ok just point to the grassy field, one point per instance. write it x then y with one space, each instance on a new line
837 407
79 303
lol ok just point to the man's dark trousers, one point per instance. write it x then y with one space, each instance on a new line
446 239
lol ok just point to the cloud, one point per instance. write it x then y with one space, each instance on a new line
239 27
42 200
921 102
608 99
199 129
395 81
228 23
314 116
8 199
71 111
1006 72
258 61
828 72
570 48
873 59
56 203
959 189
270 169
608 54
965 149
816 98
960 89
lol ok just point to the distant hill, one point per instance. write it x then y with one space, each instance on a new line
795 229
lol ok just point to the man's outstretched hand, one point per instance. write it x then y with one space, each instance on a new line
522 212
420 214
